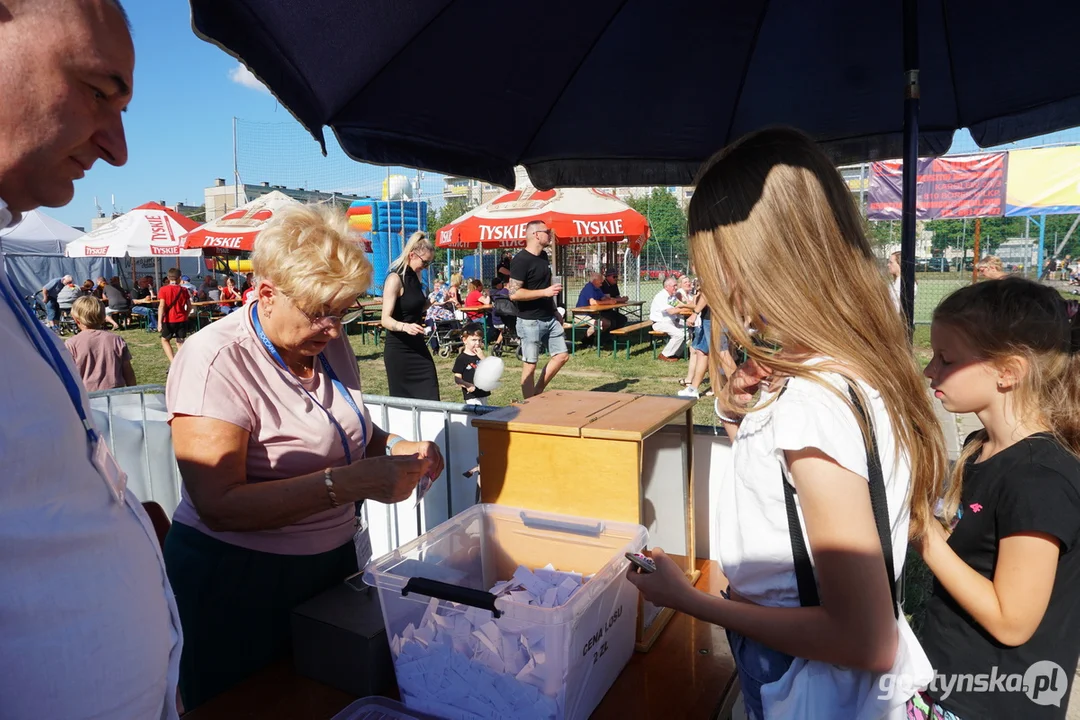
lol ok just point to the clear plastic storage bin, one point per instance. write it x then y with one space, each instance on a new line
460 652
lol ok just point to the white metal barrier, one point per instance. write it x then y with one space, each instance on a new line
134 423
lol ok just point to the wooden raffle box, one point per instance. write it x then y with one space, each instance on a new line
615 456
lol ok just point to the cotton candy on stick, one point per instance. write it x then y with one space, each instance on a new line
488 373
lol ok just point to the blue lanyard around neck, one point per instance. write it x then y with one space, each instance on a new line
334 381
50 353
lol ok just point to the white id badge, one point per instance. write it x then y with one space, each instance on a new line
362 544
110 471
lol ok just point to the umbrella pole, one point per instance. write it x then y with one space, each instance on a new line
911 160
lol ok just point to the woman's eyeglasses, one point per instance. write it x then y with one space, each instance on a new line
327 321
425 263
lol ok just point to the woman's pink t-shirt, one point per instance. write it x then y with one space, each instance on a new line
224 372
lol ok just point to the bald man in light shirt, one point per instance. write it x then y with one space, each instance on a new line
88 624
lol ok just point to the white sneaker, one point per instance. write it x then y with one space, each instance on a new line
689 392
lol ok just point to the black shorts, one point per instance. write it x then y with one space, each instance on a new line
170 331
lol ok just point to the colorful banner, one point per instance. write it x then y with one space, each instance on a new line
1043 181
957 186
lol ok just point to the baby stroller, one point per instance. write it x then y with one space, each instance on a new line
506 309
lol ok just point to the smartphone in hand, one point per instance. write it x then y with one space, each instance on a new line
643 563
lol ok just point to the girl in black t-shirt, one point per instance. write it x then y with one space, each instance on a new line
1001 628
465 365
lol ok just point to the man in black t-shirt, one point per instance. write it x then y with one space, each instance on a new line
610 287
117 302
144 290
538 322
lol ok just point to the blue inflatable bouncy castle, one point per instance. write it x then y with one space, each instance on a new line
387 224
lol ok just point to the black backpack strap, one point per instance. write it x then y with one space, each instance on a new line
879 502
804 571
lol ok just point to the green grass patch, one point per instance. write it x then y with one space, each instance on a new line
585 371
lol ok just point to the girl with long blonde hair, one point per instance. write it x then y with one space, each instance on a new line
1007 567
837 452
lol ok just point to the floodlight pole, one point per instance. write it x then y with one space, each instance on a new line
911 160
1041 254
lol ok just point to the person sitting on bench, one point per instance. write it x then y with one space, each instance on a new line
590 296
610 286
664 313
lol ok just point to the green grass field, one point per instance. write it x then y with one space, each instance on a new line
640 374
585 371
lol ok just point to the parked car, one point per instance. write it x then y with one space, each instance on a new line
658 273
937 264
969 264
922 264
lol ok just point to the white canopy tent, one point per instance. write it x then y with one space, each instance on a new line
33 253
37 234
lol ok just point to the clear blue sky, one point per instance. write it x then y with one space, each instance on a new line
179 128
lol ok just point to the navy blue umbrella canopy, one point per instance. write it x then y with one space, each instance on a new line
640 92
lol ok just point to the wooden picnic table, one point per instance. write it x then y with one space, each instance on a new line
204 303
210 303
367 306
599 308
689 673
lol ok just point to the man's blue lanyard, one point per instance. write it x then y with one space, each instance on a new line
335 382
50 353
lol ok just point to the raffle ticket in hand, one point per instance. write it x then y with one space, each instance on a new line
426 481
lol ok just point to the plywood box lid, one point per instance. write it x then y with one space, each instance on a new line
616 416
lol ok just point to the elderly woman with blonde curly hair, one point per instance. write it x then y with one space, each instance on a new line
276 452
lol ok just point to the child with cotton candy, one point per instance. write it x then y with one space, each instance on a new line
465 365
476 373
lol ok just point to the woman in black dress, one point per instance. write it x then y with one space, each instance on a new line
410 370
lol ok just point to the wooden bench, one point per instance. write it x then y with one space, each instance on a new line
572 328
655 335
374 325
622 335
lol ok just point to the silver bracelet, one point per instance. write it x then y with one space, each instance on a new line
328 478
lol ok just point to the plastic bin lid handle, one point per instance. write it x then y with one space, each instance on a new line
453 593
542 523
